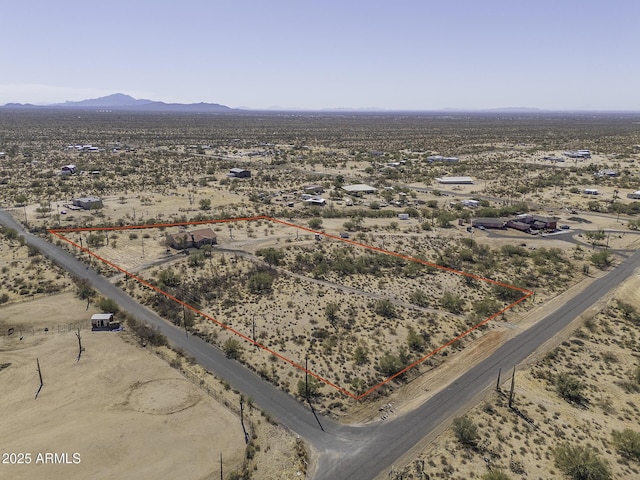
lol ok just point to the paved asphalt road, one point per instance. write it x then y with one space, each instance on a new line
353 452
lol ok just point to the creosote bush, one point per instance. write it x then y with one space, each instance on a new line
466 431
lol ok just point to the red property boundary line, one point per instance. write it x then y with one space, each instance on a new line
526 293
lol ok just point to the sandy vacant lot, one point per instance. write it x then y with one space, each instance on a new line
121 408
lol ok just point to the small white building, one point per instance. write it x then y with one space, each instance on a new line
103 321
359 188
441 159
68 169
455 180
316 201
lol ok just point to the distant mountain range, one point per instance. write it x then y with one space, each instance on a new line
122 102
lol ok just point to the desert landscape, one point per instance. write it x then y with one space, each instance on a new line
364 305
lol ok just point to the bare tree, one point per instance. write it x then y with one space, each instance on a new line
79 344
40 375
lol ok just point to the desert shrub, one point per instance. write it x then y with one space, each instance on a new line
108 305
419 297
581 462
629 312
232 348
84 289
310 387
627 443
169 278
452 302
260 282
466 431
95 240
514 250
486 307
196 259
271 255
385 308
205 204
360 355
495 475
415 340
243 474
601 259
315 223
507 294
390 364
146 333
10 233
570 388
331 311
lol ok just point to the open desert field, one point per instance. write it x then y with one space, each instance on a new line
353 287
103 406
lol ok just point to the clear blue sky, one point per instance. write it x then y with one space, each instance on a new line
405 54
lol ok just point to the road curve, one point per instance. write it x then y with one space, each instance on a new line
350 452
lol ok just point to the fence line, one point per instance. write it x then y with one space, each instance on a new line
29 330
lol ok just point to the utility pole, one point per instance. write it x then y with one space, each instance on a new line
513 384
498 384
306 377
253 319
184 314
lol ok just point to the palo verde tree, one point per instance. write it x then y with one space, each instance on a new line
390 364
385 308
581 462
495 475
108 305
627 443
271 255
232 348
452 302
466 431
331 311
570 388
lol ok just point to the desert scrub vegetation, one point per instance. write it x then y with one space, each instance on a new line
332 297
579 462
146 333
574 412
24 272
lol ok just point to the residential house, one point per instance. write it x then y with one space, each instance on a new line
88 203
239 173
